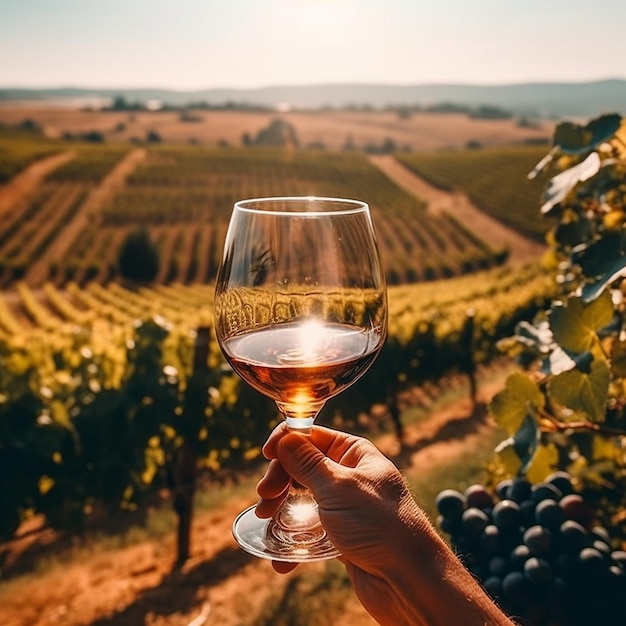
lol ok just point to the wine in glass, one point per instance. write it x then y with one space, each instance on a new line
300 314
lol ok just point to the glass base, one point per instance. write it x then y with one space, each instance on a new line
267 539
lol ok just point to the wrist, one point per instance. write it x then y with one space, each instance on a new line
431 583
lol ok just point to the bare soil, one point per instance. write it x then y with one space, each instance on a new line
220 584
23 183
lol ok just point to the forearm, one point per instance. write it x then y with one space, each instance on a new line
432 587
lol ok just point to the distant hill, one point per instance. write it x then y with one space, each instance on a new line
556 99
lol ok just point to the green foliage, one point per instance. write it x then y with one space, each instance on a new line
138 258
93 419
91 164
568 411
18 149
96 409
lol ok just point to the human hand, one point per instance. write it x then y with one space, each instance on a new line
401 570
364 503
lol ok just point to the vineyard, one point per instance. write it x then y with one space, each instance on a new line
494 180
85 366
69 228
114 393
79 345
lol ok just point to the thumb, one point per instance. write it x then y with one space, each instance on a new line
302 460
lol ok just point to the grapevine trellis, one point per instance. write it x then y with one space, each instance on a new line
184 195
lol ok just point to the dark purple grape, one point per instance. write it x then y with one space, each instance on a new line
493 586
575 508
498 566
538 539
463 545
449 525
474 521
477 496
563 481
538 570
450 503
559 594
516 587
527 513
549 514
573 537
564 565
506 514
502 488
592 561
619 556
519 555
601 533
490 539
519 490
544 491
602 548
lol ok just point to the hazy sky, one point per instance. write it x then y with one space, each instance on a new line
188 44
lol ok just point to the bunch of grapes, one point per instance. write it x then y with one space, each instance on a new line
538 551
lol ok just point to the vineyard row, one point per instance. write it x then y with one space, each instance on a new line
184 195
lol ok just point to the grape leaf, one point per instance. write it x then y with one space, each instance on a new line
543 463
508 457
575 139
519 398
563 183
604 448
523 443
616 270
575 325
581 392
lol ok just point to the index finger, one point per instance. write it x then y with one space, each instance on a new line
333 443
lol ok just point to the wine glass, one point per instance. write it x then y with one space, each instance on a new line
300 314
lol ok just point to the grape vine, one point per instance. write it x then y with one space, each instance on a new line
564 410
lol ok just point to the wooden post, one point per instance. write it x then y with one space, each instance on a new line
187 457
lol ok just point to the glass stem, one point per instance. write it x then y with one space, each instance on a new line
297 519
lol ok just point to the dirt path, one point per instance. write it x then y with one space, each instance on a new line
89 211
134 585
27 180
522 250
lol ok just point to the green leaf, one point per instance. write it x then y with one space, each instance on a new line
508 457
543 463
519 399
523 443
581 392
604 448
616 270
575 325
575 139
560 186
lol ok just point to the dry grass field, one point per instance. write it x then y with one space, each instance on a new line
422 131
